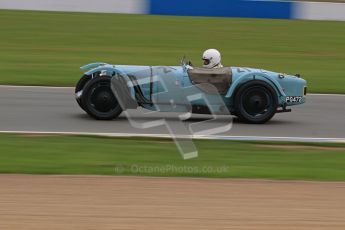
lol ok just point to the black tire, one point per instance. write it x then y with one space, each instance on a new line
255 102
98 99
80 85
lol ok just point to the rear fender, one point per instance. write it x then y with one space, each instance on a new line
256 76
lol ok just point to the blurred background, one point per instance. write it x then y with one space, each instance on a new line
44 42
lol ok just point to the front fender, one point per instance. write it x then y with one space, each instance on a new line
256 76
103 69
92 65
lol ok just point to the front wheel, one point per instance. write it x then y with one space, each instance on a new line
256 102
98 99
79 88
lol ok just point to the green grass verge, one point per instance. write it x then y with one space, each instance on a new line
159 157
47 48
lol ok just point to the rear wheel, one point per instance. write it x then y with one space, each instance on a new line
98 99
256 102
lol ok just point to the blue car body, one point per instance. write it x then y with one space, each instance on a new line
287 90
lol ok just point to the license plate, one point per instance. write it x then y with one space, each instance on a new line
293 99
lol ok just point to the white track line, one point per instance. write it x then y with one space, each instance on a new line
326 94
210 137
36 86
70 87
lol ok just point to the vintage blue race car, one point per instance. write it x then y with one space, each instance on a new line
253 95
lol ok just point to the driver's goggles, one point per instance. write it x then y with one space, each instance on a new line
206 61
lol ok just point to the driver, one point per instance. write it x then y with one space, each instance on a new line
211 58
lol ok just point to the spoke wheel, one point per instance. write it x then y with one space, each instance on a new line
99 100
102 98
256 102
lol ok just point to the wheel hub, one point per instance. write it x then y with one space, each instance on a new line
256 102
103 99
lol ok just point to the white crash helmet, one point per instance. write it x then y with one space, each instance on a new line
211 58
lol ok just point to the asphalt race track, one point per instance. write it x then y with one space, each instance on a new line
54 110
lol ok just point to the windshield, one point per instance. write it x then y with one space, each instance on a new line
185 61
